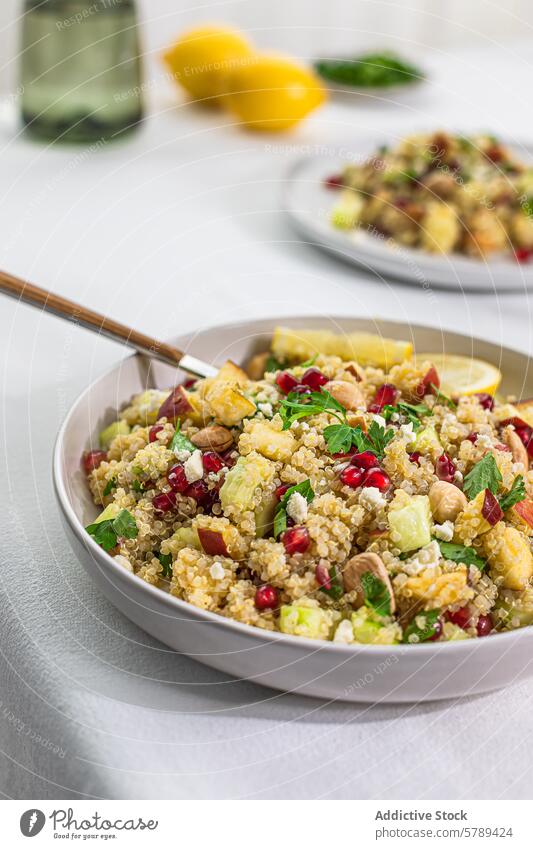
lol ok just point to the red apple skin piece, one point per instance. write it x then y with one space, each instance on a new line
177 404
525 510
430 380
213 542
491 510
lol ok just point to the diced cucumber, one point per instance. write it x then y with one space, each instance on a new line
452 632
411 525
426 441
368 630
347 213
520 608
303 621
119 428
243 479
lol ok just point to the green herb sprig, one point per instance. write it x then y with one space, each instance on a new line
461 554
296 406
422 632
106 533
335 589
179 441
484 475
441 398
412 412
166 563
377 596
516 493
110 486
280 517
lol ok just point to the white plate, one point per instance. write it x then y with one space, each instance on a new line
324 669
309 204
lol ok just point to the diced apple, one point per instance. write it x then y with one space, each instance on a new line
231 373
509 556
411 525
271 443
213 542
228 405
524 509
264 516
176 406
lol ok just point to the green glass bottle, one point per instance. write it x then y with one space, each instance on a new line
81 70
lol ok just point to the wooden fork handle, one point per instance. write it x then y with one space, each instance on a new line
33 295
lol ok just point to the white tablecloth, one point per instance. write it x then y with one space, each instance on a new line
179 227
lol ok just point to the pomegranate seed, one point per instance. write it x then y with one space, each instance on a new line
189 382
286 382
266 597
92 459
430 380
177 479
378 479
491 510
486 400
352 476
484 625
333 182
281 490
386 394
437 631
445 468
201 494
314 378
522 254
415 457
472 437
322 576
152 433
212 462
296 540
365 460
460 617
164 502
229 459
302 389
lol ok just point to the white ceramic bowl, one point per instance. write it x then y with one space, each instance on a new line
323 669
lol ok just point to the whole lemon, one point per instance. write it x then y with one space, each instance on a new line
202 57
272 93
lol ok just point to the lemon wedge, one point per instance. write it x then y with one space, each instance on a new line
294 345
464 375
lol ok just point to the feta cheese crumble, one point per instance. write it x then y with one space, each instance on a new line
371 498
427 558
194 467
182 454
217 571
297 508
344 633
444 531
379 420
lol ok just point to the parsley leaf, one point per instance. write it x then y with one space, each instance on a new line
280 518
310 362
412 412
272 364
335 590
106 533
484 475
461 554
338 438
441 398
110 486
422 627
380 438
377 596
166 563
179 442
296 406
137 485
516 493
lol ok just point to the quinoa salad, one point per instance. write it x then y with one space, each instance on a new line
441 193
335 488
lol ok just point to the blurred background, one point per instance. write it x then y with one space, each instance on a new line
305 28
